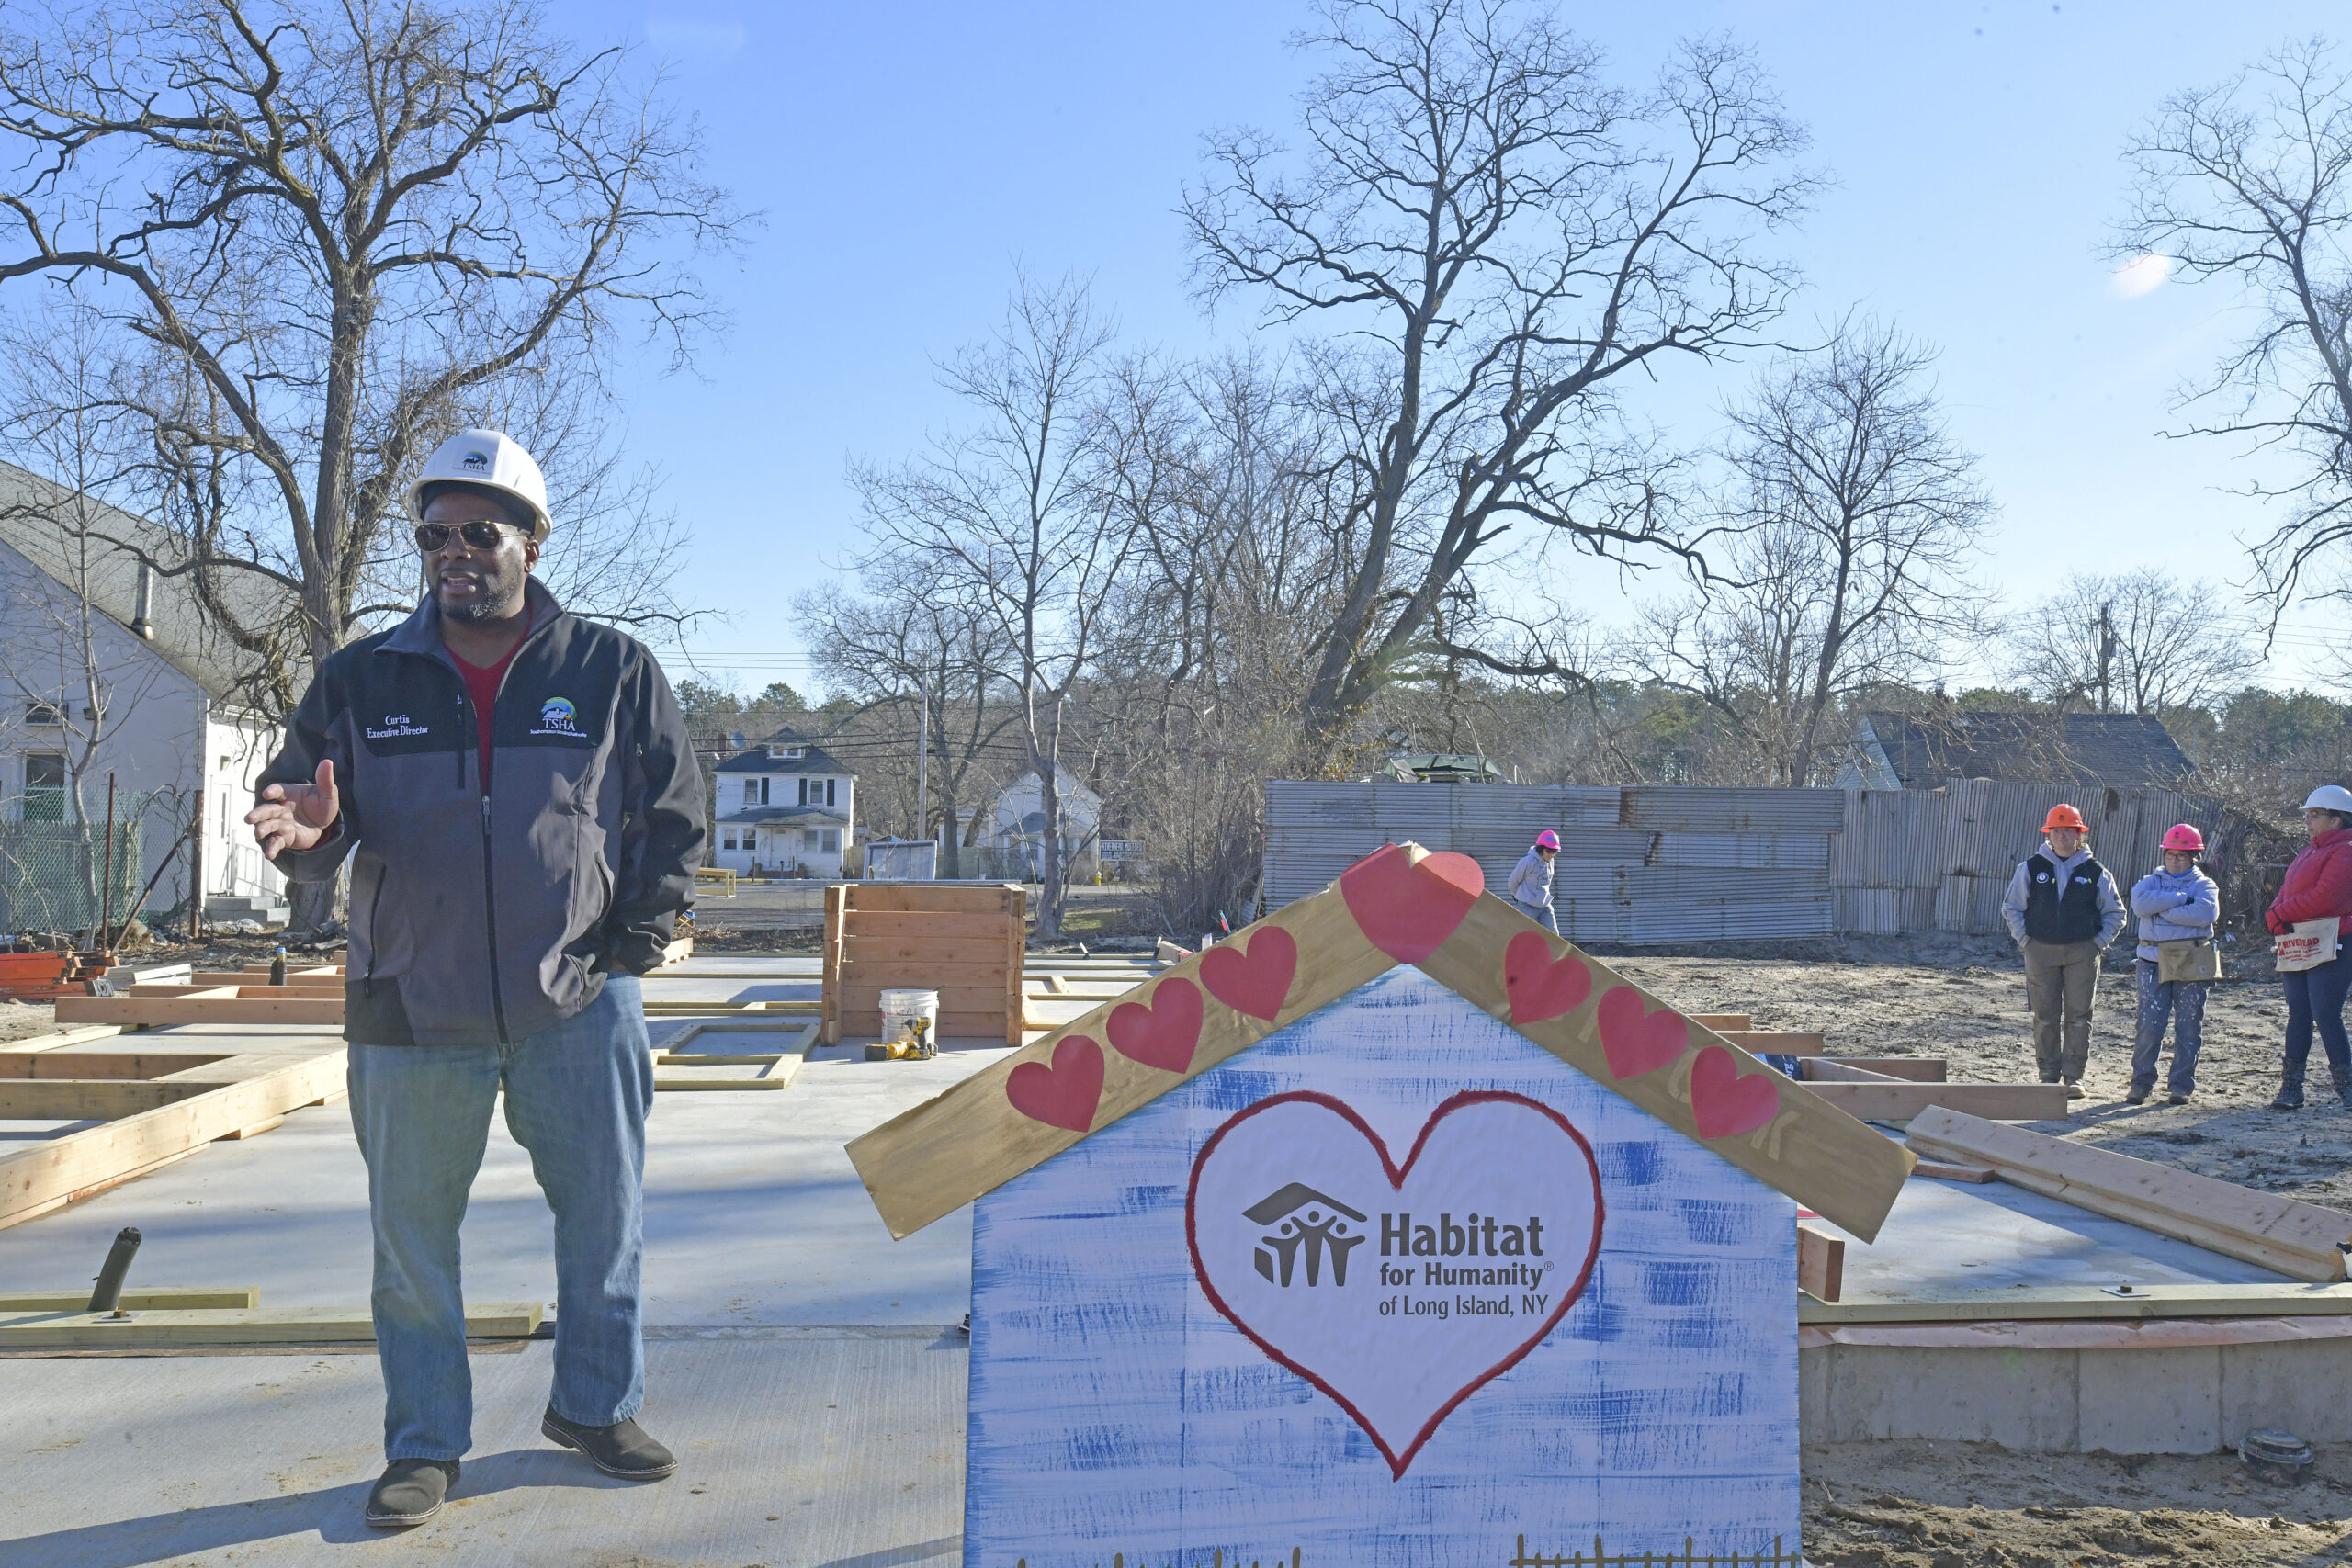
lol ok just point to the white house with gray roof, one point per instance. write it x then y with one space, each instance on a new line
783 807
139 686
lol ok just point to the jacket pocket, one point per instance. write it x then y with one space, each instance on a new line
383 941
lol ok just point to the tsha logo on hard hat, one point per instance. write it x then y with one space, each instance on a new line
477 461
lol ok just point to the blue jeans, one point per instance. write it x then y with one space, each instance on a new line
2316 997
576 1098
1542 914
2181 1001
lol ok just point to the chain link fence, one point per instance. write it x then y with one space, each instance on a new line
53 874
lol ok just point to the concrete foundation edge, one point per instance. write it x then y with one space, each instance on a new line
2190 1400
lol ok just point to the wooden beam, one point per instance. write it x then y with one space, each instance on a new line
1893 1101
1821 1262
2279 1299
922 975
63 1038
212 1008
107 1064
1910 1069
2302 1240
934 898
1822 1069
134 1298
239 1326
871 924
58 1170
1759 1041
74 1100
1720 1021
680 1081
1945 1170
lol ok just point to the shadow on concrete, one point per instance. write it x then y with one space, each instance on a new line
333 1515
894 1556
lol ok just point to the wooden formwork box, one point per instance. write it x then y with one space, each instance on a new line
964 942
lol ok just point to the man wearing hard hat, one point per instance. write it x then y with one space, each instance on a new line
2062 910
516 793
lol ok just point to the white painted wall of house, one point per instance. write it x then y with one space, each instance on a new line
162 732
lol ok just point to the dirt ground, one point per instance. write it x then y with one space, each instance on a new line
1920 1505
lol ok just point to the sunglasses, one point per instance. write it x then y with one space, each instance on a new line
433 536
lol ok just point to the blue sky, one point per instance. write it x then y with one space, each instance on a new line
909 157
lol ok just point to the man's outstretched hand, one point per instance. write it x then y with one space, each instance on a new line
295 817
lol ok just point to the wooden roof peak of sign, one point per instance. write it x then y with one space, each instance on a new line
1399 905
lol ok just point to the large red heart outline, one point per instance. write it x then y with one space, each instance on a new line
1635 1042
1064 1094
1725 1104
1163 1033
1407 909
1539 986
1255 980
1287 1189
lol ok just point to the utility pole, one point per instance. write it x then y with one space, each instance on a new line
922 762
2106 652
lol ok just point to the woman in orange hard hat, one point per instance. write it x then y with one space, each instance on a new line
2176 904
2062 910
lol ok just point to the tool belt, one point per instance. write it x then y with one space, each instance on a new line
2195 959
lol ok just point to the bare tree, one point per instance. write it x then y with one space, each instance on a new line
2251 181
908 644
1855 516
1505 233
2143 642
326 235
1010 514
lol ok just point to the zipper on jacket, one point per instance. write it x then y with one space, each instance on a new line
489 912
462 732
367 981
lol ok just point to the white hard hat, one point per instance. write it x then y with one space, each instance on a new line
490 460
2330 797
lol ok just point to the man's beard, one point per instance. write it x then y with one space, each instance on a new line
494 604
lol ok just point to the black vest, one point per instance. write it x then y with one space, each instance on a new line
2052 914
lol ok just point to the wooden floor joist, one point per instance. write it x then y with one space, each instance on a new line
1821 1262
234 1096
2280 1300
134 1299
2301 1240
1898 1101
238 1326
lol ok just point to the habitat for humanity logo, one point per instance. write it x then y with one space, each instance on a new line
397 725
556 717
1300 1225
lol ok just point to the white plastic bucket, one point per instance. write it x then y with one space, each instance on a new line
902 1008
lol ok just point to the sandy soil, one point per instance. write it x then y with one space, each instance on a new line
1919 1504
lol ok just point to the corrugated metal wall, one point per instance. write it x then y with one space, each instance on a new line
1665 864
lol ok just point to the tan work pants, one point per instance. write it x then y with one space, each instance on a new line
2061 980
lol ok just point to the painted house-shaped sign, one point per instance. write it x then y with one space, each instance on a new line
1394 1231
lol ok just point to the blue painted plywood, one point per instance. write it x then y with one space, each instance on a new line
1115 1409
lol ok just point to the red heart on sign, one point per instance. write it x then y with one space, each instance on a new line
1723 1103
1408 910
1539 986
1638 1044
1257 982
1163 1033
1065 1094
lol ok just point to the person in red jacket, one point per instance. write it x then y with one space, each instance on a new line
2318 886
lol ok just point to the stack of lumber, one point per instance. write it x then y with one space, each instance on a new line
2301 1240
965 942
1889 1089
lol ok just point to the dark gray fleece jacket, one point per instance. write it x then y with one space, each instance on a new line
480 918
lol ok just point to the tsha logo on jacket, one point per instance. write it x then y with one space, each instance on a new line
397 725
557 716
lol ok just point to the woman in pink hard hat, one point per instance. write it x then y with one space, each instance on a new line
2178 903
1531 881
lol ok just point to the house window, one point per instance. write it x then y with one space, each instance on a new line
44 786
804 792
727 840
832 845
39 712
809 840
751 792
829 790
787 753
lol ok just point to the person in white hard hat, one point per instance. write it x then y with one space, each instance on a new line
2318 886
519 799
